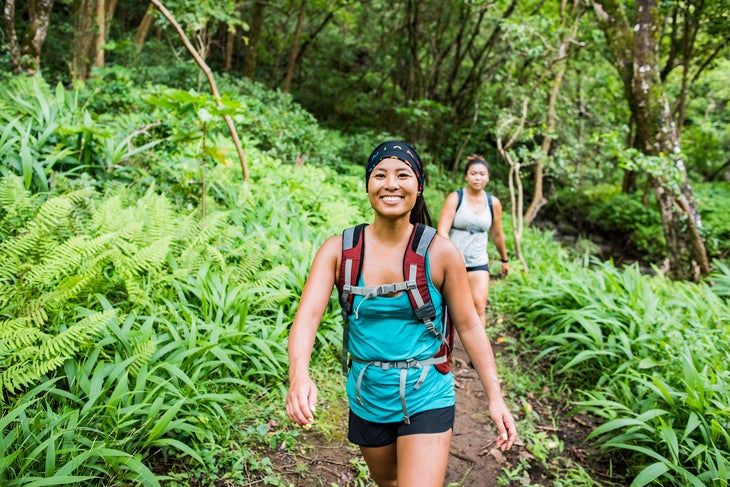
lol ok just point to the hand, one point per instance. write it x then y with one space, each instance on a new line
301 401
506 429
505 269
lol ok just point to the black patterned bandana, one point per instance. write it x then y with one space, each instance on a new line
394 149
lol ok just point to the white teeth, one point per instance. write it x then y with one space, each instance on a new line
391 198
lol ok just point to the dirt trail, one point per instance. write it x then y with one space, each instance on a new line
474 461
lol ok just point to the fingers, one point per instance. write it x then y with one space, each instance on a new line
301 402
506 431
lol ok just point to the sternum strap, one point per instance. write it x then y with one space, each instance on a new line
404 365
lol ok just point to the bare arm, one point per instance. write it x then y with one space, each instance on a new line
302 396
446 217
455 288
497 234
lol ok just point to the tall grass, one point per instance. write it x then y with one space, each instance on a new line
650 356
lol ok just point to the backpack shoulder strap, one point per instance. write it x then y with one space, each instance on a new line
350 270
489 202
460 195
414 269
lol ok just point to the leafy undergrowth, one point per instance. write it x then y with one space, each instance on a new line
551 450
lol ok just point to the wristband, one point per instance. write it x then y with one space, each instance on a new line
505 261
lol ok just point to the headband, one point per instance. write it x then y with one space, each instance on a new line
396 150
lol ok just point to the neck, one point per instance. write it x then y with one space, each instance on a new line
391 230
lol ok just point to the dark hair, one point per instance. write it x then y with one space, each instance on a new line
474 159
419 213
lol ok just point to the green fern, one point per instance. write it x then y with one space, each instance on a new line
36 354
142 353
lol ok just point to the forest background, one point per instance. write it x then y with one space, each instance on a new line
169 169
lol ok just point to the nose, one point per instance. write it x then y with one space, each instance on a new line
392 181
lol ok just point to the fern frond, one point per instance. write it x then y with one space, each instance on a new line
13 193
160 216
272 278
252 260
142 353
213 254
36 310
151 257
18 333
68 342
209 228
17 376
68 289
135 292
273 298
51 213
43 227
13 249
67 258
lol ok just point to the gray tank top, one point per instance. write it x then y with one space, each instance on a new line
470 233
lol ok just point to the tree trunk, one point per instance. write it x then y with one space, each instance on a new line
635 49
516 192
84 40
100 33
257 23
144 28
294 47
27 56
13 44
230 42
538 198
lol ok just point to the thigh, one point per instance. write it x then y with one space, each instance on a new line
422 459
382 464
479 285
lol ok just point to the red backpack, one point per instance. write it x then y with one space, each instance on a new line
416 285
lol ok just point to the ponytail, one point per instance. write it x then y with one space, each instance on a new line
419 213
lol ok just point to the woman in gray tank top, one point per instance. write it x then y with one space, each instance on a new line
469 218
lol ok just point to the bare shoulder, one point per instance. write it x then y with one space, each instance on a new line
495 201
443 248
444 254
332 247
452 199
446 260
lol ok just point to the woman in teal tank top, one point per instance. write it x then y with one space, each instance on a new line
400 405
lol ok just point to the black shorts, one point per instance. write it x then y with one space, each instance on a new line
366 433
483 267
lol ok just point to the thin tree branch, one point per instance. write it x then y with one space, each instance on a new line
213 87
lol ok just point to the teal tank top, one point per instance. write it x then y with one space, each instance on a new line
385 328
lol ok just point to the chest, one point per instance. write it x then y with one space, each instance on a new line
382 265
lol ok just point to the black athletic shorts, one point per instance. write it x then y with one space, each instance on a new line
366 433
483 267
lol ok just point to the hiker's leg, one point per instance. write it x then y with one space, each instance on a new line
423 447
422 459
382 463
479 286
377 444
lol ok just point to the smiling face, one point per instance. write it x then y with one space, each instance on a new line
477 176
392 188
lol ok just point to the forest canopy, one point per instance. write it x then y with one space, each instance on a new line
572 94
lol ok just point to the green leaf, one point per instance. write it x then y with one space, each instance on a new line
649 474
